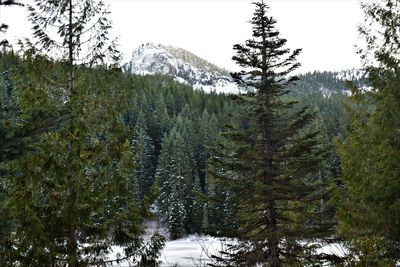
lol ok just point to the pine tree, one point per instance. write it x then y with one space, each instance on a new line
143 158
368 211
105 211
177 180
222 213
193 204
72 20
25 118
21 127
163 174
159 123
176 212
271 167
73 200
171 178
208 134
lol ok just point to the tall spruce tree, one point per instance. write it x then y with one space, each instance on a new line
17 134
271 168
143 157
369 210
171 178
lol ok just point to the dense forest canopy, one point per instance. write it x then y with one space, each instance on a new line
89 152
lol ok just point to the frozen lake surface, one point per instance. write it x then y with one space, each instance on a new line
194 251
191 251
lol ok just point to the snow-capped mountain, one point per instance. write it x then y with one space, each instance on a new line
182 65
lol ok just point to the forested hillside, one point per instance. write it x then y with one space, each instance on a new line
171 130
168 129
91 152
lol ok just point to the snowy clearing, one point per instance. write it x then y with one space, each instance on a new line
191 251
194 251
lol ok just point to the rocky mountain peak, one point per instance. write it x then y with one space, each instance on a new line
182 65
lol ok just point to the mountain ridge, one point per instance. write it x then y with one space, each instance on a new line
182 65
187 68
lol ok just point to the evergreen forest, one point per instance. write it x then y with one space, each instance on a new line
90 153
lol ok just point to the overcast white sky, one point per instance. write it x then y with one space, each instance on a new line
325 29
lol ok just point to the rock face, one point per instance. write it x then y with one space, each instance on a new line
182 65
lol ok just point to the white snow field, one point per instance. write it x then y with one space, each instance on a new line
191 251
194 251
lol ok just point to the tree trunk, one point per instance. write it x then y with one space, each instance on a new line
71 192
273 240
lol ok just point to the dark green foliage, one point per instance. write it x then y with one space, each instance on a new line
172 175
368 210
222 212
208 134
197 117
370 155
74 198
273 166
327 92
171 110
183 125
82 31
177 179
105 209
103 143
21 127
143 158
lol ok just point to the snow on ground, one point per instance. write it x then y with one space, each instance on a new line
190 251
334 248
194 251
